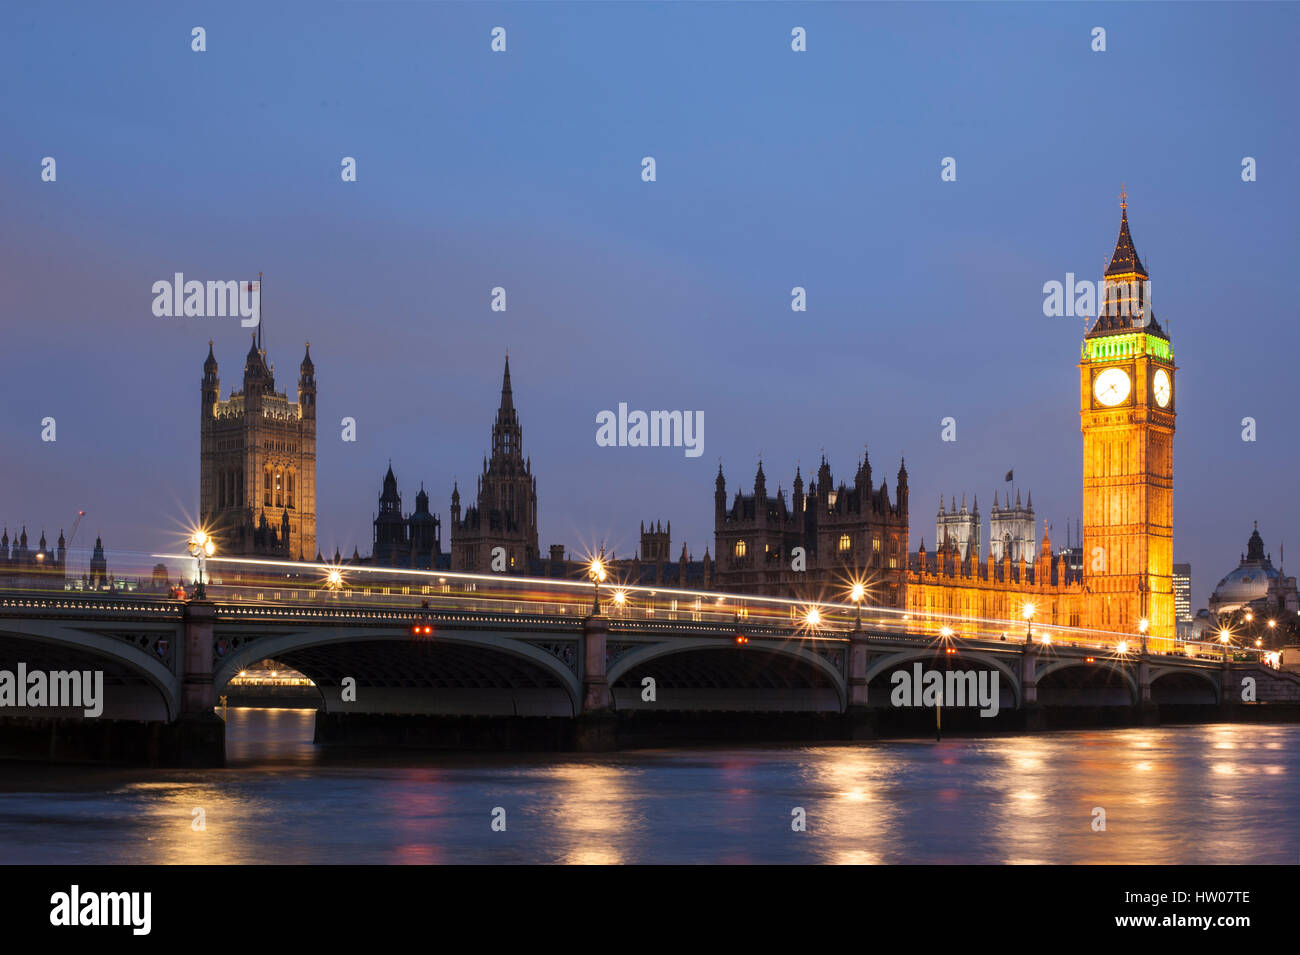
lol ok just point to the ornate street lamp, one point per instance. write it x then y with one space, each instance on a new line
856 594
1143 625
201 548
596 572
1028 613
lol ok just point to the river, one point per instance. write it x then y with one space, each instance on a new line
1222 793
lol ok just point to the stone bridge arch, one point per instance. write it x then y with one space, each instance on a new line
879 665
764 675
1185 684
128 666
478 672
1127 674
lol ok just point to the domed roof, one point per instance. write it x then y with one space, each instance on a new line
1249 581
1246 583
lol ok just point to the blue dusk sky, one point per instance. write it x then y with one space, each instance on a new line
523 169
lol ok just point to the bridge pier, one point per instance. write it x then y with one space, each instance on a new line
1146 712
1230 692
198 737
1033 717
594 729
861 721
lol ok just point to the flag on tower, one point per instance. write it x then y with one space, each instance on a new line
1010 475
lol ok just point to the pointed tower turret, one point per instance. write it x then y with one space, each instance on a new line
1125 302
719 497
307 384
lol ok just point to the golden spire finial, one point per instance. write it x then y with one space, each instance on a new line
1123 198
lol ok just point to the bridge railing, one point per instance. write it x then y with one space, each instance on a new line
326 585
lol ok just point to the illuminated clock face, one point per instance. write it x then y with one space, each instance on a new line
1160 386
1112 386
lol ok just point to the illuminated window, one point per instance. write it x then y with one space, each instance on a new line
845 543
266 488
289 490
279 493
740 548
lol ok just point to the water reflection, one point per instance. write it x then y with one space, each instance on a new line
1207 794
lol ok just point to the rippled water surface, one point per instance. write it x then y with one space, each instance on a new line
1225 793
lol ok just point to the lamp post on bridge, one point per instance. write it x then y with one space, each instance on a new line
856 595
597 574
201 548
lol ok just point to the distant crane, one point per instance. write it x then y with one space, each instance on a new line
80 515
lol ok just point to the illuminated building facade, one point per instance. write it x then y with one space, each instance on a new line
1182 593
1126 412
964 528
1127 406
1011 529
257 488
844 533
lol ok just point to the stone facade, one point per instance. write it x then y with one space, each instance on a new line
504 514
815 544
257 486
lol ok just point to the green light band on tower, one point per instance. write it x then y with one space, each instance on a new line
1126 346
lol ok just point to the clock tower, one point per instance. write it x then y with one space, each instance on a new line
1126 411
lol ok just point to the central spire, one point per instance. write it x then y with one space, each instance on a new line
507 436
1125 302
1124 260
507 397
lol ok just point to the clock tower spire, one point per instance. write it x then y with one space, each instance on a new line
1126 412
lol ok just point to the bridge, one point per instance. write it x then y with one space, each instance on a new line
434 645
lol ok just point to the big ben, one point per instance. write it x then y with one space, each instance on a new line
1127 401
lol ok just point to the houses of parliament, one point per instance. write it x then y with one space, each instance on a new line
258 494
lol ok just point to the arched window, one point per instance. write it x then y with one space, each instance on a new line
289 490
279 489
266 488
740 548
845 544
